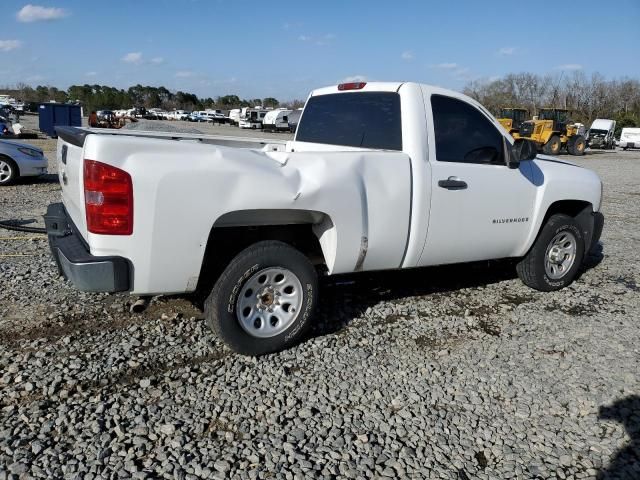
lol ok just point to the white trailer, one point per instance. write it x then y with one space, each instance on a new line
276 120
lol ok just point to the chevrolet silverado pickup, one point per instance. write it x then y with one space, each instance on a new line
379 176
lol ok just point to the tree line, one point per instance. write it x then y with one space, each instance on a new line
587 97
103 97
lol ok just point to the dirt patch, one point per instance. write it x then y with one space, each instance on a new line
73 323
628 283
490 328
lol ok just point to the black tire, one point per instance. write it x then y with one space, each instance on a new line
221 304
553 146
576 145
9 171
531 269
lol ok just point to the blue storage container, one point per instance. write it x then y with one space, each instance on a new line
58 114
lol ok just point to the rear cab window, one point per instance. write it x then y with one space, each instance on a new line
358 119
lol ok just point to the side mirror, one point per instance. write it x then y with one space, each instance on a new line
521 150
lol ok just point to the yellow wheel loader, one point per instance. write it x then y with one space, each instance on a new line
512 118
552 131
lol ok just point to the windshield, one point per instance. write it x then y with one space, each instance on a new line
558 115
595 131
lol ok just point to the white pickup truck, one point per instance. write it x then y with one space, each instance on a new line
379 176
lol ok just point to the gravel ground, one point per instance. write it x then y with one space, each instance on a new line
454 372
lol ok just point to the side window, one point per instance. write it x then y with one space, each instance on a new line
464 134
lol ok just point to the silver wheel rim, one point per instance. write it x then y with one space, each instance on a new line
561 255
269 302
5 171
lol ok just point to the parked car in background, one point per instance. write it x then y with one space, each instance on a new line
5 126
629 138
20 160
294 118
178 115
106 115
601 134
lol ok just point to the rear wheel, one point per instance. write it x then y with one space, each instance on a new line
552 147
554 260
264 300
8 171
576 145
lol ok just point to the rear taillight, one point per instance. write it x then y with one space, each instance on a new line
352 86
108 199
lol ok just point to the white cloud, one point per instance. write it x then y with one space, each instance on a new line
157 60
8 45
325 39
35 78
507 51
407 55
445 66
184 74
291 25
353 78
569 66
36 13
462 73
133 57
91 74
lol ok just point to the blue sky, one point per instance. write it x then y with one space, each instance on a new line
286 48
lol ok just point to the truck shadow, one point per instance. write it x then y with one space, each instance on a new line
346 297
626 462
47 178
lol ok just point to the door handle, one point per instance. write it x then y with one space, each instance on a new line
452 183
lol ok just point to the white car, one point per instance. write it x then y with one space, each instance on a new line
379 176
20 160
629 138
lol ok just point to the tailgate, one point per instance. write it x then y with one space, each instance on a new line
70 163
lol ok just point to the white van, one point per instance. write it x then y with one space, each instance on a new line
601 134
276 120
629 138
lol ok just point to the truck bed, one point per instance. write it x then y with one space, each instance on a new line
77 135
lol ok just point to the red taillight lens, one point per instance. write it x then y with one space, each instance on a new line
108 199
352 86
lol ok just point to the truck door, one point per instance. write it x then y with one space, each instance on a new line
480 208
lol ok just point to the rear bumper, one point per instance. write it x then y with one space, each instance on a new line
85 271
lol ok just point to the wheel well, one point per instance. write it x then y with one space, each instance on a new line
12 161
580 210
572 208
225 242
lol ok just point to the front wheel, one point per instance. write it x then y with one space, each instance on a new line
553 146
264 300
576 145
554 260
8 171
